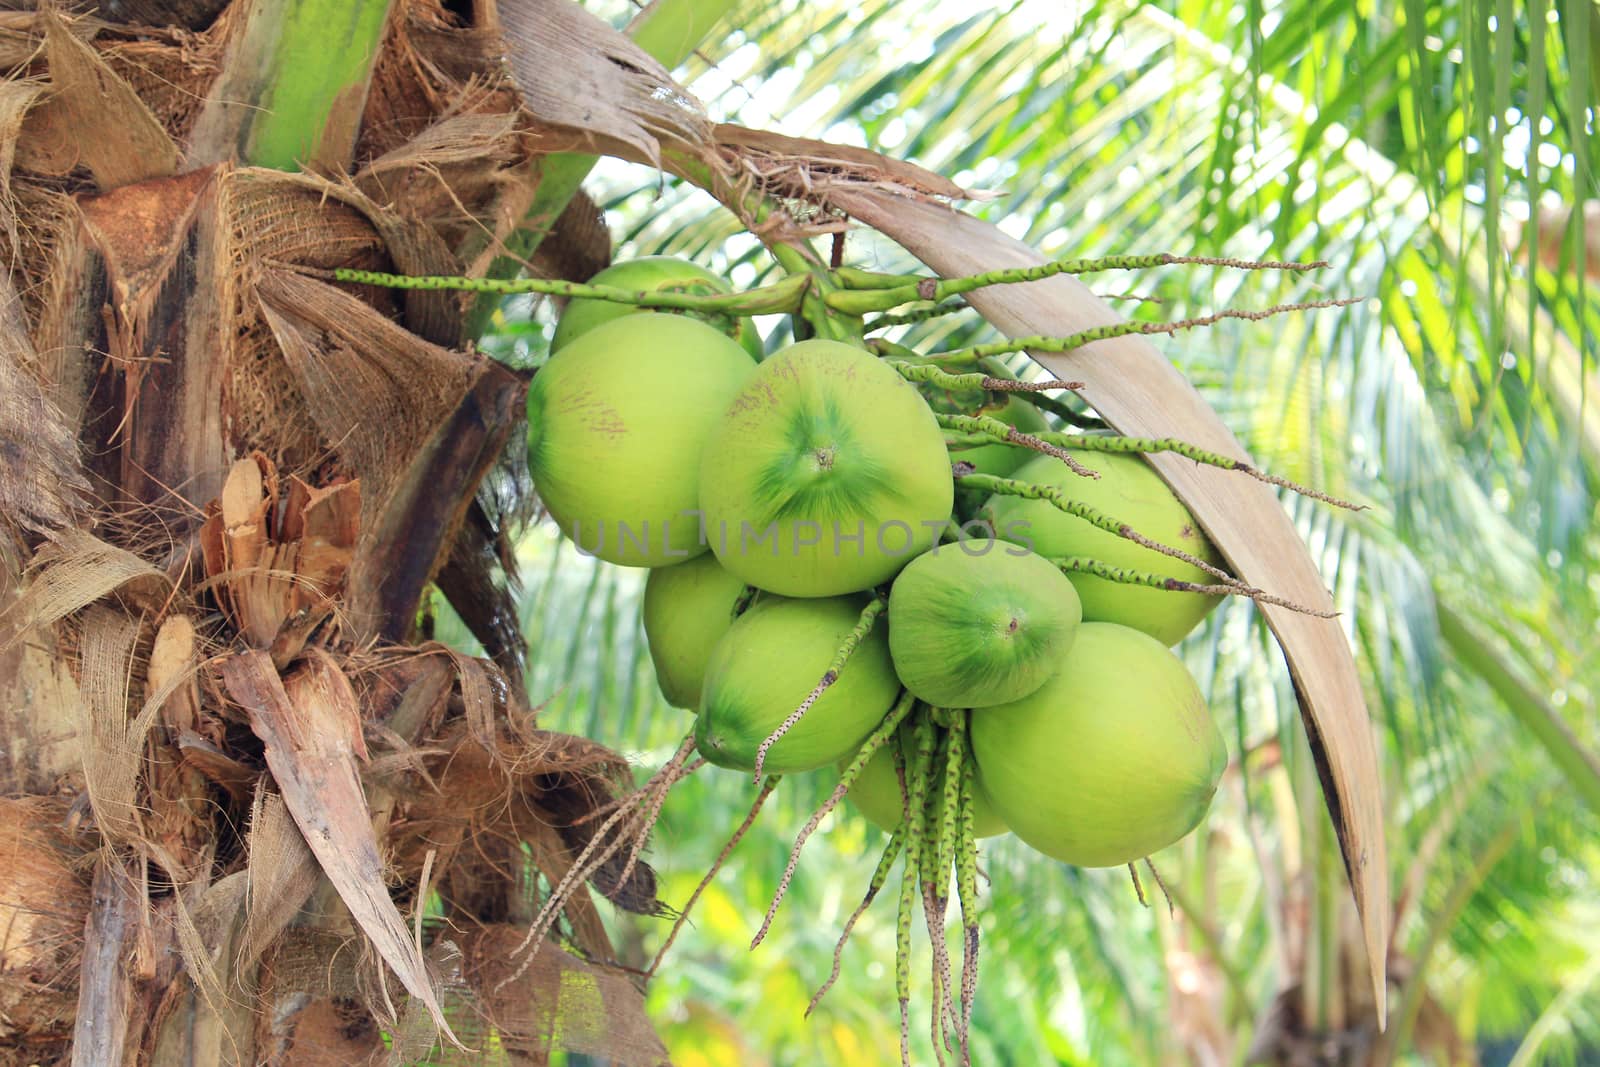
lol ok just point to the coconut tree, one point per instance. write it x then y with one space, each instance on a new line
221 600
1134 128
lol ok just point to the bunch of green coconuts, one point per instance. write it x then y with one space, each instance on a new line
839 584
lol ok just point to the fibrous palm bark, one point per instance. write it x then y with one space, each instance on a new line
258 818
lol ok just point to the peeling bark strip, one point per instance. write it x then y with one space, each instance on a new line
105 989
311 727
1140 393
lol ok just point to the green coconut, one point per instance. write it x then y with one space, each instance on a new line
769 661
1112 759
653 274
979 622
617 424
827 474
687 609
876 794
1128 491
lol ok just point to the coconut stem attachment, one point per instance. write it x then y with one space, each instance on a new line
747 596
879 737
864 624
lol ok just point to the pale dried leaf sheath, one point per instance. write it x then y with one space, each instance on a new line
602 92
1140 393
280 875
115 135
73 571
310 727
828 164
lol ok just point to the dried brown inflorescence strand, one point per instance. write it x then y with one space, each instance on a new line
716 865
601 847
881 735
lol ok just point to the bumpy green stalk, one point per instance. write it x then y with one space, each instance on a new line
864 624
1129 576
780 298
902 774
931 743
918 773
955 752
902 951
1005 432
911 357
928 289
906 318
1117 443
1063 411
879 736
914 372
1042 343
967 890
1077 509
856 278
880 875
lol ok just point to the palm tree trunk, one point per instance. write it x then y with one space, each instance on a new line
228 485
